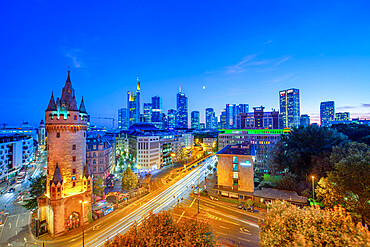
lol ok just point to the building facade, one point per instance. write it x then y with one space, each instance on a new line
262 139
195 120
210 115
259 119
342 116
290 107
123 119
68 176
305 120
182 111
235 171
41 135
157 112
327 112
147 112
171 118
100 155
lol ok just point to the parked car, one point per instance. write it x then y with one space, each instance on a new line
213 198
241 206
11 190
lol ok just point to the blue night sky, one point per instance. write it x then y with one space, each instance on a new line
240 51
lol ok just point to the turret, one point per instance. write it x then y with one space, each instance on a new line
56 184
51 106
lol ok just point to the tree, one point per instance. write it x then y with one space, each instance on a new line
162 230
129 180
37 188
289 225
354 132
98 186
348 184
304 150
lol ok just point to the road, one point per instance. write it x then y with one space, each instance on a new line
15 230
161 199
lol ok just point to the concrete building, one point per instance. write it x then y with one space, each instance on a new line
259 119
290 107
210 143
327 112
195 120
68 176
202 126
16 151
235 171
145 151
100 155
262 139
24 129
305 120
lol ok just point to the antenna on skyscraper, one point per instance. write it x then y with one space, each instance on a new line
180 88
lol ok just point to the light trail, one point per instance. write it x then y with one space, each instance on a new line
162 201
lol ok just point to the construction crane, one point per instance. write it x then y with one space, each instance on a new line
111 118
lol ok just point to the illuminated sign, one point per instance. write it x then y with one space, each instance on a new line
247 163
109 210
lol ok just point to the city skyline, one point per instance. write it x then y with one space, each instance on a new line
215 61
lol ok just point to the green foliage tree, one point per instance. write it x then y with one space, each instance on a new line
98 186
37 188
289 225
287 182
305 150
354 132
348 184
162 230
129 180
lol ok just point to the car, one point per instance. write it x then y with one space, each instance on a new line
241 206
213 198
11 190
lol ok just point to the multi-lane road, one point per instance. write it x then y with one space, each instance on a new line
15 230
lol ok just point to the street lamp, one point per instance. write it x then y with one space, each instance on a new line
83 230
313 189
172 157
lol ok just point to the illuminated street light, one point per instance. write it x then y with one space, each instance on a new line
313 189
83 230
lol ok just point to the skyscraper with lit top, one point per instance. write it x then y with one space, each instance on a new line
290 108
68 176
182 110
133 105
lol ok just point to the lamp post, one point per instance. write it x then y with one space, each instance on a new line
83 230
172 157
313 189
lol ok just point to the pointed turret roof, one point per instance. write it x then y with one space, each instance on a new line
82 106
57 177
86 172
73 105
51 106
67 93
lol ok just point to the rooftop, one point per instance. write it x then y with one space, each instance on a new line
238 149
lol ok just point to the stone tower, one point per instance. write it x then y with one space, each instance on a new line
68 177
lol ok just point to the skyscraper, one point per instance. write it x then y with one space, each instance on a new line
157 111
133 105
231 116
182 110
148 112
327 112
122 119
290 107
195 120
223 119
242 108
305 120
68 176
171 118
210 114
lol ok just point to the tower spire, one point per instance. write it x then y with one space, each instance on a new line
180 88
51 106
138 85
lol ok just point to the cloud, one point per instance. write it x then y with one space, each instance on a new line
352 107
365 105
75 55
268 41
281 78
282 60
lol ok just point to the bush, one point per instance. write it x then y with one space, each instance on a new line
249 202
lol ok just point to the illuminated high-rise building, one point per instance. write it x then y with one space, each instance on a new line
123 119
171 118
231 115
195 120
68 177
157 112
148 112
342 116
182 110
327 112
210 115
133 105
305 120
290 107
223 122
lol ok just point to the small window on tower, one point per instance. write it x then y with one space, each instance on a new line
75 117
73 171
74 158
73 178
74 184
58 189
58 134
84 134
53 190
74 147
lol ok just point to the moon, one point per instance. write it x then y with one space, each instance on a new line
204 87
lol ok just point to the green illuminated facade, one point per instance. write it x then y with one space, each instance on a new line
255 131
